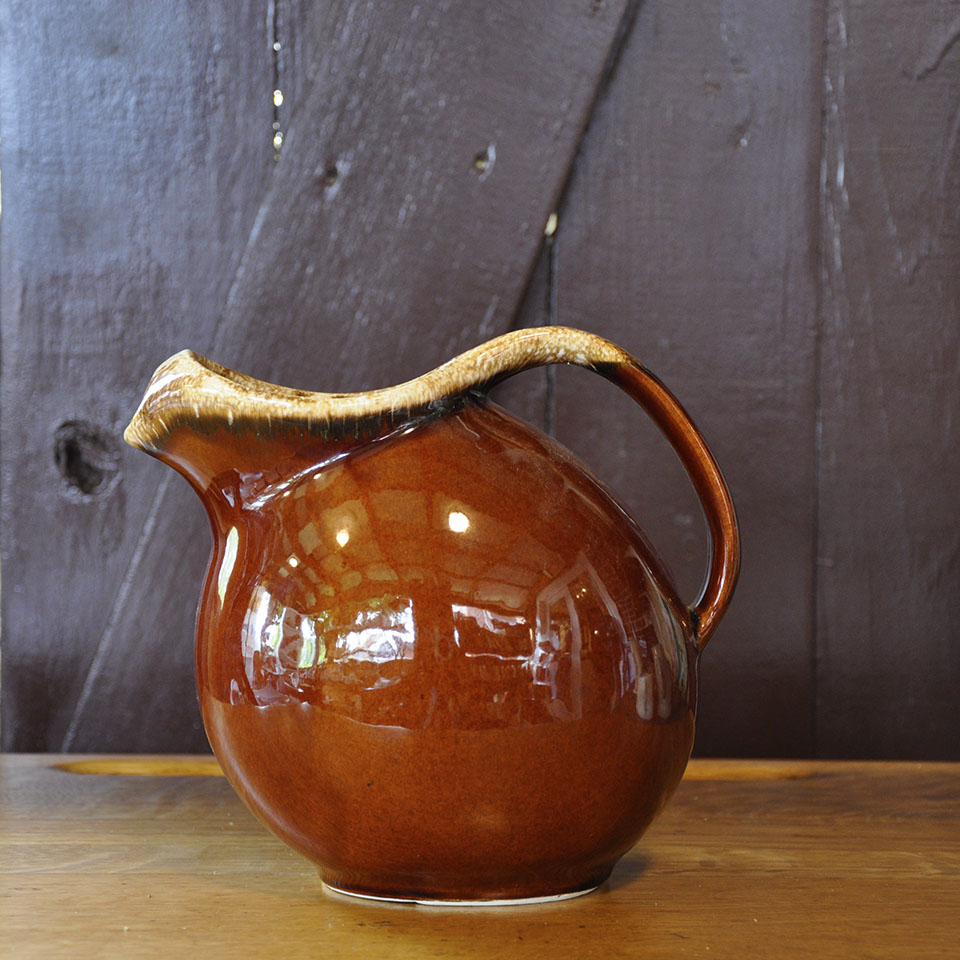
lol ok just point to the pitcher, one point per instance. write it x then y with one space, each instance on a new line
434 654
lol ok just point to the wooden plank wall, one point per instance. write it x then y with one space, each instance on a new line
134 155
888 574
760 201
399 226
689 235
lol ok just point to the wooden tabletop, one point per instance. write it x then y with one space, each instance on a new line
156 856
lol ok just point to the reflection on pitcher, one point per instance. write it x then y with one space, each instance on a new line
567 659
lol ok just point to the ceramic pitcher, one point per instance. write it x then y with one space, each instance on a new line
434 653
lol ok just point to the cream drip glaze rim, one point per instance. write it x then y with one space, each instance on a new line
188 387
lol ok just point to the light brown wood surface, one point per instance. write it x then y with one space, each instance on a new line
156 857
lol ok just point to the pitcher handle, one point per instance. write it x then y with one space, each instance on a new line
523 349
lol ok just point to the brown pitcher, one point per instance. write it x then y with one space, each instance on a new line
434 654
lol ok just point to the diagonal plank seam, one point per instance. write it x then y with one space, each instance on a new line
229 317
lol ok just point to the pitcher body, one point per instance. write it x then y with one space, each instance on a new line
434 654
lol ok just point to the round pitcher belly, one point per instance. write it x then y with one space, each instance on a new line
448 666
450 814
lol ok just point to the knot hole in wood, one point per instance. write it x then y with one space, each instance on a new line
87 456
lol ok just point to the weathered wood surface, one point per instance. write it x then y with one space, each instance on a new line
763 209
689 236
749 859
712 227
888 555
135 147
399 226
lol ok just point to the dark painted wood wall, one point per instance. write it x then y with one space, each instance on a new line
762 201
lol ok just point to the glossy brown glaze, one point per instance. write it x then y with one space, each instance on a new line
433 653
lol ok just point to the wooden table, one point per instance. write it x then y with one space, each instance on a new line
156 857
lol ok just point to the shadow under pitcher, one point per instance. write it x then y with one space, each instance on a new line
434 654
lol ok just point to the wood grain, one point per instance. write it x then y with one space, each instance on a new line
407 231
207 766
889 542
409 202
821 860
134 153
689 236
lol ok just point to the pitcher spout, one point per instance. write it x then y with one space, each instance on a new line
212 424
177 415
175 389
